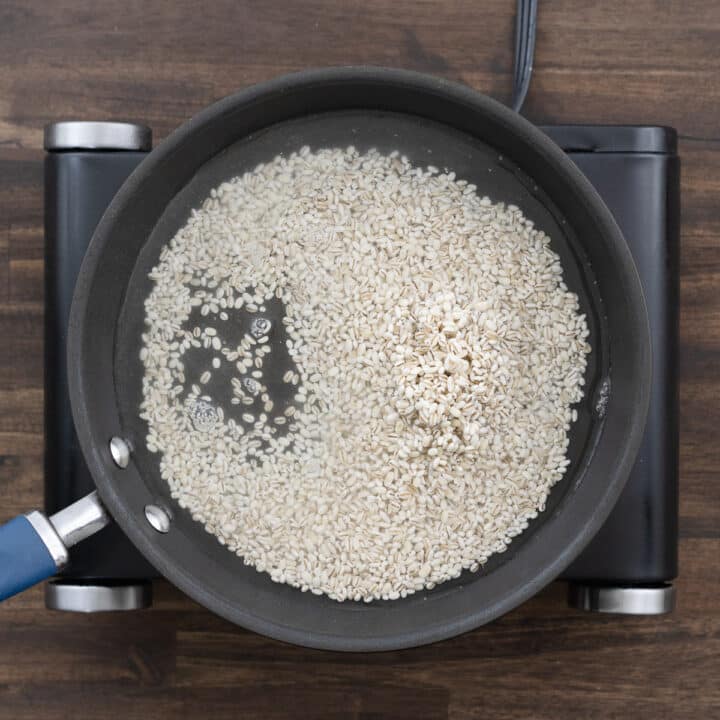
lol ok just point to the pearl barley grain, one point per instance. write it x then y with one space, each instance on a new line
437 355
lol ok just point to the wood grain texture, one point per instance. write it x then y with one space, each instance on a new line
159 62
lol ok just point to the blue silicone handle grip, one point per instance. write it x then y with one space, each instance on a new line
24 559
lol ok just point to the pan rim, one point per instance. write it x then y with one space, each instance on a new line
95 454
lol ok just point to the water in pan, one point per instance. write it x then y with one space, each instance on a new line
496 177
435 340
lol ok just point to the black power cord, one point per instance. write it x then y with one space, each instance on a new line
525 27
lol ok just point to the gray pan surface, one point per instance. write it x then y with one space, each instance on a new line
432 122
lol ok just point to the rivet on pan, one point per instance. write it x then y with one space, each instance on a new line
158 518
120 452
260 326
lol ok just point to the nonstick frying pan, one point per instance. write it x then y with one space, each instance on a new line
433 122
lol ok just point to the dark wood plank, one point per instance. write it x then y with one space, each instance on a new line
159 62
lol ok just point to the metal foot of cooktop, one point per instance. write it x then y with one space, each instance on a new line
83 135
656 600
86 598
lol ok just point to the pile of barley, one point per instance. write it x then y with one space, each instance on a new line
435 356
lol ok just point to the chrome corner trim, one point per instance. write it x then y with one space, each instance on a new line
84 135
78 521
50 537
622 600
73 597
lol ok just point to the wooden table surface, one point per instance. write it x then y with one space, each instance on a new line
159 63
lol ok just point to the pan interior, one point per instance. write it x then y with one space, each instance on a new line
425 143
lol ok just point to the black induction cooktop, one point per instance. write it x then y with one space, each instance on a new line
630 564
